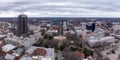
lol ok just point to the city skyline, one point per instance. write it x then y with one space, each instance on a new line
58 8
59 30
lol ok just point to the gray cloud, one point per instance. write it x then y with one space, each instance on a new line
60 7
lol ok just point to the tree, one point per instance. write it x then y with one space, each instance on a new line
43 31
88 52
106 58
46 46
113 51
119 57
47 36
62 47
74 48
56 58
66 51
50 37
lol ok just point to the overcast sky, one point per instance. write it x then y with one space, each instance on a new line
60 8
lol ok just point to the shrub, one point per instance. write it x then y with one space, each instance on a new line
88 52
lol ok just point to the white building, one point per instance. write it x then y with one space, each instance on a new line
116 27
51 32
34 27
92 40
8 47
25 58
9 57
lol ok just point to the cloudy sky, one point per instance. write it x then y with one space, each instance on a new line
60 8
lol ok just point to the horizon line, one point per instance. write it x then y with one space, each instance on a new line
63 17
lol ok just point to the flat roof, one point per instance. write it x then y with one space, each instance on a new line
2 36
49 51
8 47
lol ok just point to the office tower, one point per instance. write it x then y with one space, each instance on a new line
56 22
109 24
93 27
22 25
90 27
60 28
65 25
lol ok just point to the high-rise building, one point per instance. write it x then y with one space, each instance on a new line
65 23
56 22
22 25
93 27
90 26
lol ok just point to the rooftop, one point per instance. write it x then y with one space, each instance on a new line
47 52
9 57
8 47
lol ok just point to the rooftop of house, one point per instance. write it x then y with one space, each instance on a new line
9 57
80 54
39 51
26 58
17 51
47 52
8 47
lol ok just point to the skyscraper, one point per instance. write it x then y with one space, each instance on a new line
90 26
65 23
93 27
22 25
56 22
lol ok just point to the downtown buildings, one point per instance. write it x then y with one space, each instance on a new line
14 47
36 46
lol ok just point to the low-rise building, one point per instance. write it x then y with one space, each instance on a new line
8 48
39 53
92 41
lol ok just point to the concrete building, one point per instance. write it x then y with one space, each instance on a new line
93 41
22 25
116 27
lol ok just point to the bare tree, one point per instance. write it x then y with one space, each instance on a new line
106 58
119 57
